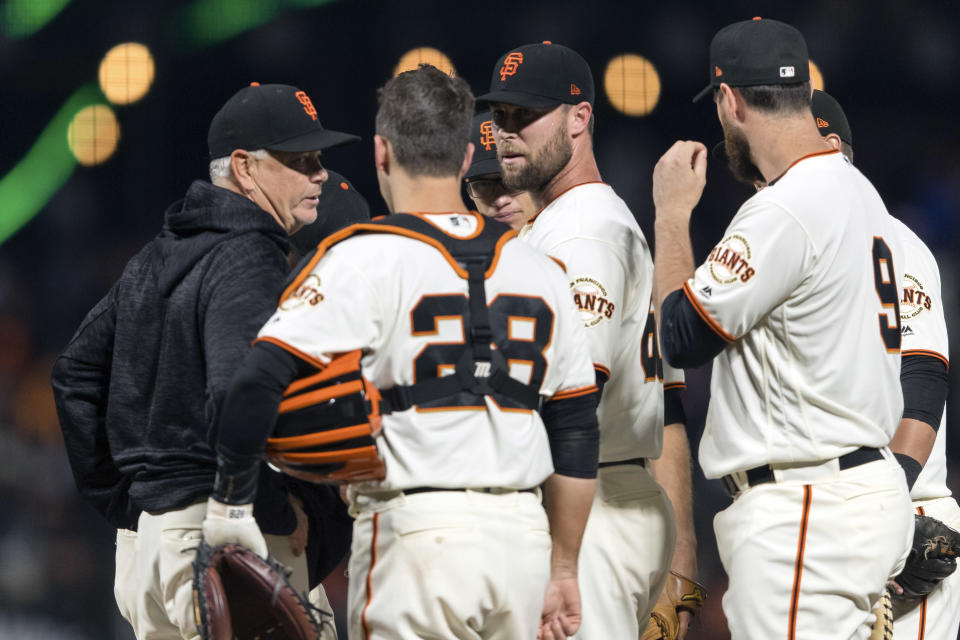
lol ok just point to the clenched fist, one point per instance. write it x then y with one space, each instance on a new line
679 178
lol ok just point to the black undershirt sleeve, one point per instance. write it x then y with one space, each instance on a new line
923 380
601 380
686 341
247 418
574 435
673 406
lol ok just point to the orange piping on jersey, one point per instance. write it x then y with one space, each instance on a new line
923 619
674 385
286 347
559 262
327 457
540 210
574 393
927 352
423 216
319 438
798 566
602 369
799 160
347 363
921 511
321 395
713 324
509 409
373 561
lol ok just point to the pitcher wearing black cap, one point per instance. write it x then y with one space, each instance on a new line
139 387
541 97
798 307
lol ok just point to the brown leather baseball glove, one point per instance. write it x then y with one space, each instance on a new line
678 593
237 595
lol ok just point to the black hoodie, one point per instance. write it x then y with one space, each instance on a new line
138 387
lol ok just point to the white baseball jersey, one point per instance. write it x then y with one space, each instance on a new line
924 332
592 232
803 288
400 300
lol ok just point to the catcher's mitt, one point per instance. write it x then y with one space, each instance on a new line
678 593
933 557
237 595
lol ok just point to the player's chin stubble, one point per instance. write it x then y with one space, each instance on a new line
738 157
541 166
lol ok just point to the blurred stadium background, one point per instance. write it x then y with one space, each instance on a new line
104 113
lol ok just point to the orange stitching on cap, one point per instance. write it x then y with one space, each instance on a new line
344 186
717 71
574 90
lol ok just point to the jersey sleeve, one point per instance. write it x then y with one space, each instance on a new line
597 279
922 323
571 372
335 309
763 256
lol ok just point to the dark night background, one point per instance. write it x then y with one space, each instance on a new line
892 64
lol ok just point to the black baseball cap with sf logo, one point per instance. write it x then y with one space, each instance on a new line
539 76
278 117
757 52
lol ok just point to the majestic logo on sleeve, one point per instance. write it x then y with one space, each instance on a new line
510 65
730 260
591 299
306 293
486 135
915 300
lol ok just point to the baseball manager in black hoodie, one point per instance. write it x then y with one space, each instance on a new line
139 386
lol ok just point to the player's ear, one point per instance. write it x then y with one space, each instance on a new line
578 118
834 140
731 101
381 154
467 159
241 167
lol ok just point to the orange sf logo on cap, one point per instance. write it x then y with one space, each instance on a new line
510 65
307 104
486 134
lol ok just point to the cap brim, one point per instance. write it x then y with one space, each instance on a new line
520 98
700 96
316 141
487 167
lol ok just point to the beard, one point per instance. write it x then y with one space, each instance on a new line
541 166
738 156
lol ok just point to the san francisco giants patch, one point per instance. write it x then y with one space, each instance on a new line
729 261
915 300
591 299
306 293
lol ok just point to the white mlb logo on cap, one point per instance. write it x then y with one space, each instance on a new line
786 72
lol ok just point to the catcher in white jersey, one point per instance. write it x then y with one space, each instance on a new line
921 438
797 306
541 99
451 541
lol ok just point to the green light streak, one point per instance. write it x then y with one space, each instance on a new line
22 18
207 22
46 167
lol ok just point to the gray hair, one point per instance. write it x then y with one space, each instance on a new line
220 167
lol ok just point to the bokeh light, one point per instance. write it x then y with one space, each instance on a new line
816 78
632 84
126 73
93 134
424 55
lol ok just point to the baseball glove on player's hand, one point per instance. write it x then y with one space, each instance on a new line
237 595
933 557
678 593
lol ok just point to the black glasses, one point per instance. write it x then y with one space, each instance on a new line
489 189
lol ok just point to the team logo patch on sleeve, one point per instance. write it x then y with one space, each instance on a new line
915 300
306 293
591 299
729 261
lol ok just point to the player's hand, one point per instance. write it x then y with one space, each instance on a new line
561 609
679 178
233 523
298 539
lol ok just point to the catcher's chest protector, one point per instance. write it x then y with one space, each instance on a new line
327 423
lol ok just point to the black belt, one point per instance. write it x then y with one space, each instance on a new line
764 473
496 490
639 461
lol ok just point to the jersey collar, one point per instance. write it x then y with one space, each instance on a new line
799 160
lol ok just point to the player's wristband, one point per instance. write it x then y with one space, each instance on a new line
911 468
236 481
